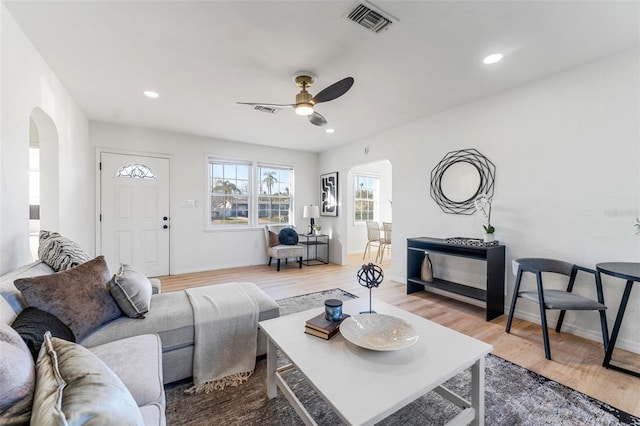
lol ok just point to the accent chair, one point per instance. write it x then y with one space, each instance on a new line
278 251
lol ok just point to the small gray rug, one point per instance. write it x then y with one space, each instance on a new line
514 396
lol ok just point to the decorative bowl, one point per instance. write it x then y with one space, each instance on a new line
378 332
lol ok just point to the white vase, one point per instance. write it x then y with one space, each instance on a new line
489 237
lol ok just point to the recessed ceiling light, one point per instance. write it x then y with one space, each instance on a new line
492 59
151 94
330 130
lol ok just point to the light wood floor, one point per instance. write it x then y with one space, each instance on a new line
576 363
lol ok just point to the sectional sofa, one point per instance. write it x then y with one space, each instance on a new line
163 335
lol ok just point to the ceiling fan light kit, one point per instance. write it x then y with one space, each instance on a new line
305 102
303 99
304 109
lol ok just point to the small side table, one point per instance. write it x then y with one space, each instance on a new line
629 271
315 240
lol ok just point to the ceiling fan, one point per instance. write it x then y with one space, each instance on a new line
305 102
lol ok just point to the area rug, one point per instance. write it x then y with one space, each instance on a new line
513 396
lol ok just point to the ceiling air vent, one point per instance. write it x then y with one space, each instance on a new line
267 109
369 17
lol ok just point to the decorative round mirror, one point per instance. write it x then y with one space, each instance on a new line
460 181
459 177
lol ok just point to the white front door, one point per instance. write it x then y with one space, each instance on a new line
134 212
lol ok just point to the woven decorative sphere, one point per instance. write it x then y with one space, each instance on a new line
370 276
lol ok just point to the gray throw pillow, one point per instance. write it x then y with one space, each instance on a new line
60 252
17 378
78 297
74 386
132 290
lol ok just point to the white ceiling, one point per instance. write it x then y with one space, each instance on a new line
203 56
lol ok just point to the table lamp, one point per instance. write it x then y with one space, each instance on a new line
311 212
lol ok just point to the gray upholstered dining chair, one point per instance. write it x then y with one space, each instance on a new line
562 300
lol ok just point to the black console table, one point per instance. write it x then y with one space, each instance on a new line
315 240
493 296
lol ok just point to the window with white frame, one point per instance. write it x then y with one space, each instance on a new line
34 200
230 192
274 199
245 193
366 195
34 176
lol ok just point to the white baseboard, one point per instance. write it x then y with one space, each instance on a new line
594 335
398 279
216 267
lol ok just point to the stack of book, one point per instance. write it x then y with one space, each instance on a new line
321 327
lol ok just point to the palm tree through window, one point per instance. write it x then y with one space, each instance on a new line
249 193
274 201
230 192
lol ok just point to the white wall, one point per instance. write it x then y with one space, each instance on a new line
192 248
27 83
567 155
29 89
566 149
357 232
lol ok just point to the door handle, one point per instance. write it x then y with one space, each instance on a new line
165 226
165 218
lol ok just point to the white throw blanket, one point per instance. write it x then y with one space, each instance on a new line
226 327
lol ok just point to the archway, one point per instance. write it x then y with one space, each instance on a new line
377 176
43 137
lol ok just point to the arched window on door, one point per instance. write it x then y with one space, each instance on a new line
135 171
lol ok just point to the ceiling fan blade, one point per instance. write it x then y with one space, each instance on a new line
317 119
270 105
334 91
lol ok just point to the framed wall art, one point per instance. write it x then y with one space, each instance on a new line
329 194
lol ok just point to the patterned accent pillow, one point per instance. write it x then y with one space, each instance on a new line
132 291
78 296
17 377
274 239
32 323
60 252
75 386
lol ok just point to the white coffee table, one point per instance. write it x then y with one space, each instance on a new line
364 386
